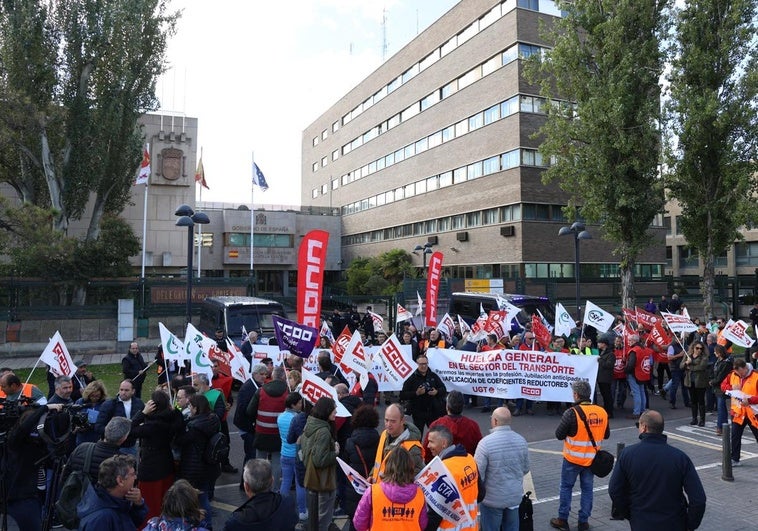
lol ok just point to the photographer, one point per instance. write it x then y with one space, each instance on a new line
425 393
23 449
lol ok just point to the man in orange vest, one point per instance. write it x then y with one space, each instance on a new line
578 453
397 432
12 389
462 466
745 380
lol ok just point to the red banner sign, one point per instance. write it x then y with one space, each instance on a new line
310 268
433 288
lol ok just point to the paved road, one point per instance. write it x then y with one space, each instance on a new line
731 505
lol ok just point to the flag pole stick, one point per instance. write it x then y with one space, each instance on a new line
32 371
144 218
199 225
252 222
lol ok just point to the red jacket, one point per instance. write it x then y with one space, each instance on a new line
465 432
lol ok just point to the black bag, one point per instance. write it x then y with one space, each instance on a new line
602 464
217 449
526 513
73 491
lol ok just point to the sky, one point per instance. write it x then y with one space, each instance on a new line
251 72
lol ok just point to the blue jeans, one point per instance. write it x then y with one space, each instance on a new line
520 404
676 380
274 459
205 503
492 519
569 472
722 412
288 473
638 394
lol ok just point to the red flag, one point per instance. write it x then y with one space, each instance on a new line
200 174
646 319
660 336
144 168
541 333
497 323
310 271
433 288
629 315
340 344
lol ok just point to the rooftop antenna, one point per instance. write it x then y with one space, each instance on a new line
384 34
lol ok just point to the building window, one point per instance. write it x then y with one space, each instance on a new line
490 216
746 254
335 154
335 126
667 224
314 167
449 89
449 46
492 114
677 224
534 5
335 184
323 134
323 161
430 100
324 189
315 141
476 121
314 193
688 257
430 59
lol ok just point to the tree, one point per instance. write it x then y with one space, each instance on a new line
712 141
379 275
605 143
76 77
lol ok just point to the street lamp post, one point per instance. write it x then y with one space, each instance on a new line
188 218
426 250
576 229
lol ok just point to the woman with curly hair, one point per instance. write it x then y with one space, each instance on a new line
93 396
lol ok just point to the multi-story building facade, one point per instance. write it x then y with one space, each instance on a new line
437 145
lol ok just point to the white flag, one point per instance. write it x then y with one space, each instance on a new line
238 365
57 357
358 482
441 491
315 387
378 321
563 321
736 332
678 323
420 308
464 325
354 358
197 346
403 314
446 327
595 316
397 366
173 349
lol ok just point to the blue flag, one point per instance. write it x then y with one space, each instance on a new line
258 178
299 339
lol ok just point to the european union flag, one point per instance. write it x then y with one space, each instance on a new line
258 178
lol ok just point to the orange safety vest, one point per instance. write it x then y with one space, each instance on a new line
466 474
386 514
749 386
380 459
26 390
578 449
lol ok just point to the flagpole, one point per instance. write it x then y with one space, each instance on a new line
252 220
144 219
32 371
199 225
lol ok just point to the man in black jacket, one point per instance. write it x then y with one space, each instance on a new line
244 422
116 432
126 405
131 365
264 509
425 393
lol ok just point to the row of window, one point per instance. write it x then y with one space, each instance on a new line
745 254
468 220
486 20
242 239
494 164
546 271
499 111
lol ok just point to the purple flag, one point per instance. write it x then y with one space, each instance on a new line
294 337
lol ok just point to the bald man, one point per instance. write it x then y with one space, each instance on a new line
650 480
502 458
397 432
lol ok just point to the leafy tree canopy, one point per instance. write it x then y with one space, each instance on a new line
380 275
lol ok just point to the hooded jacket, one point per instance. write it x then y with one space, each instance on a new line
400 494
156 432
266 511
192 443
318 447
99 510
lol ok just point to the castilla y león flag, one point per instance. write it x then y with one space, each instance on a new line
310 271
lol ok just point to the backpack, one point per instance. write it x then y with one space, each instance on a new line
73 491
217 449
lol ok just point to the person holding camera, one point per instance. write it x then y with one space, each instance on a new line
24 448
425 394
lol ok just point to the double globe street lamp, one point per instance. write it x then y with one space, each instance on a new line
577 229
189 218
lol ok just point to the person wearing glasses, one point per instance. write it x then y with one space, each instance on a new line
425 393
695 367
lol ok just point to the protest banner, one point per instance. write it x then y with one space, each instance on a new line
678 323
397 366
314 387
736 332
513 373
442 493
